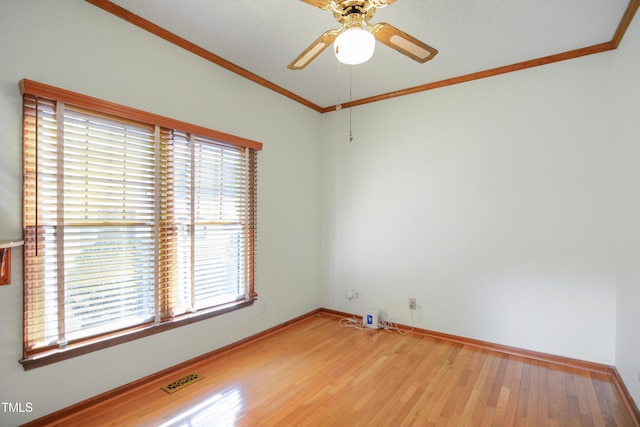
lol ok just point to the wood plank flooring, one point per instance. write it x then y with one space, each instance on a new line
316 373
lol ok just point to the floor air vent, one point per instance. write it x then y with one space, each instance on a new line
181 383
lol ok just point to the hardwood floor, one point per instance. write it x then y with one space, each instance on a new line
316 373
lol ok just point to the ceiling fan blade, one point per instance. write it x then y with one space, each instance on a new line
320 4
381 3
403 42
316 48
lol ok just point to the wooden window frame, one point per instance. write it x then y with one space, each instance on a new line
33 359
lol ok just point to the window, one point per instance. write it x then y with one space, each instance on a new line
131 221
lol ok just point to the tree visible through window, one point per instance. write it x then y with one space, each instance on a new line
128 222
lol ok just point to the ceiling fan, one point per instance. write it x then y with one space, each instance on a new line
354 15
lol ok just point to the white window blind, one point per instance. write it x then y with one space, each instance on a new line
212 211
128 223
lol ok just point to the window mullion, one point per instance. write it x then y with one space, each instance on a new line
245 222
192 229
60 280
158 281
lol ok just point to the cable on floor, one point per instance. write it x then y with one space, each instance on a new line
354 322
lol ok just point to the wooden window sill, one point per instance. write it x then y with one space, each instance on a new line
87 346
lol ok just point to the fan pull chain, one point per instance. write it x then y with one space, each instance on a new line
338 105
350 100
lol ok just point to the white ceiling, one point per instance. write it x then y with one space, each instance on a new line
264 36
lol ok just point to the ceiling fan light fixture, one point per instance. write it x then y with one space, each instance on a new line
354 46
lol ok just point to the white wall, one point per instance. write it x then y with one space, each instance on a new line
76 46
491 202
628 204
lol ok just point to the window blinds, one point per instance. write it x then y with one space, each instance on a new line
128 223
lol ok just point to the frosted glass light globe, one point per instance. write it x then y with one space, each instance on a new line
354 46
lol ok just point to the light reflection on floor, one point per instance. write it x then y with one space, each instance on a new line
221 409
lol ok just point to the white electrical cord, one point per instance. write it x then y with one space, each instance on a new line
393 326
351 322
354 322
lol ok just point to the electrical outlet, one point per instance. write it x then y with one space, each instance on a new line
352 294
412 304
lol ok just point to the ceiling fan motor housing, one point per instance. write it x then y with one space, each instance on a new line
349 12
